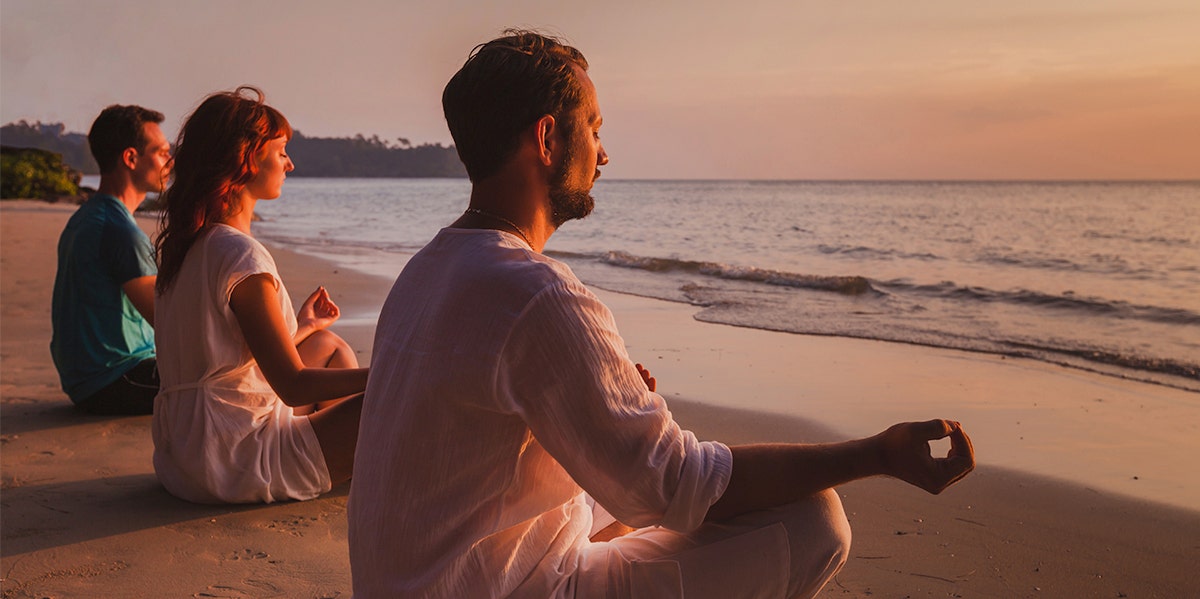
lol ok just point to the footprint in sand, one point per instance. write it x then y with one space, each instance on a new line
247 554
257 588
292 525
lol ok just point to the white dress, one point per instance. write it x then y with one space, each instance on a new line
221 434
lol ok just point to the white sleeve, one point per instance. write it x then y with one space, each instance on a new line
238 258
566 372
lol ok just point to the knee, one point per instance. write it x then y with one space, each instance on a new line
837 532
328 350
325 339
818 527
819 537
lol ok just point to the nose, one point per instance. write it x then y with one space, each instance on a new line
290 166
602 157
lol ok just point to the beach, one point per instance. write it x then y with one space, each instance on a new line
1086 487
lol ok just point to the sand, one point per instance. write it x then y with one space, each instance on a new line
1086 486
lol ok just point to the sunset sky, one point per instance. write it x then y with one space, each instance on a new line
923 89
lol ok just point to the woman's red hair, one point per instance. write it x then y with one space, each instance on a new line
216 156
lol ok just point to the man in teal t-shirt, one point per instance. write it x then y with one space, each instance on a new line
103 303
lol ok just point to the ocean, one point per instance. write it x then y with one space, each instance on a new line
1101 276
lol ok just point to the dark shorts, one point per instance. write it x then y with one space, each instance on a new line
131 394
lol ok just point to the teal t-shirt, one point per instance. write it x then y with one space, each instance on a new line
98 333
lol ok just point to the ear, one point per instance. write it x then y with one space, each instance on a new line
547 138
129 158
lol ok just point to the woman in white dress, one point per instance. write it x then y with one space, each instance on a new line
258 403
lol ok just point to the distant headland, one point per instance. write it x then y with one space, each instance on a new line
356 156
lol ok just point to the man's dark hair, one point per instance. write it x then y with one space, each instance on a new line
119 127
505 86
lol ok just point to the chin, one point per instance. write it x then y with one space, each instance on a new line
570 205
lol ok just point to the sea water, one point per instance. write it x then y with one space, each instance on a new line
1103 276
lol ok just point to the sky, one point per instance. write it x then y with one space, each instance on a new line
746 89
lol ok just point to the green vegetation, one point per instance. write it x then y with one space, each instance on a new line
34 173
360 156
356 156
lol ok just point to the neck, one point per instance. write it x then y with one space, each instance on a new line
122 189
499 220
241 219
502 204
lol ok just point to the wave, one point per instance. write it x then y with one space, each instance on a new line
328 243
845 285
1027 260
1104 264
1100 264
936 315
1171 242
875 253
1129 361
1091 305
1174 373
855 286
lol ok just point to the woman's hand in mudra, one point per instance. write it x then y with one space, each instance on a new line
318 311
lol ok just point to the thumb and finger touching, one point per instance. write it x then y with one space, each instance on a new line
912 460
959 461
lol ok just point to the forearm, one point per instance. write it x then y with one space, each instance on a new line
311 385
765 476
255 304
769 475
140 292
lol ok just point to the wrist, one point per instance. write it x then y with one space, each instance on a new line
873 456
303 330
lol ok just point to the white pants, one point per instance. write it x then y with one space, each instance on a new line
789 551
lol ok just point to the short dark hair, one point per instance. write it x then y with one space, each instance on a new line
506 85
119 127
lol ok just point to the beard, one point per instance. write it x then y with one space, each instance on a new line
567 202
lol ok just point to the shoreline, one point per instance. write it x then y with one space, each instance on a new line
1173 375
1171 380
83 514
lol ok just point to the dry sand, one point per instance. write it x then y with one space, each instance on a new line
83 516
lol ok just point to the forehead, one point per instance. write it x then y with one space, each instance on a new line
154 135
275 144
589 108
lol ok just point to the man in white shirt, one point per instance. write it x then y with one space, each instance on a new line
503 421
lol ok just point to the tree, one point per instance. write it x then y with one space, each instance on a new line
34 173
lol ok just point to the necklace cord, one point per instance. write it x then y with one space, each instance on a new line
490 215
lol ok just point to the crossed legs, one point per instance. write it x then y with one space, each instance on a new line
335 421
789 551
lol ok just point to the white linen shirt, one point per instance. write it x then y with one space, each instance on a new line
499 392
